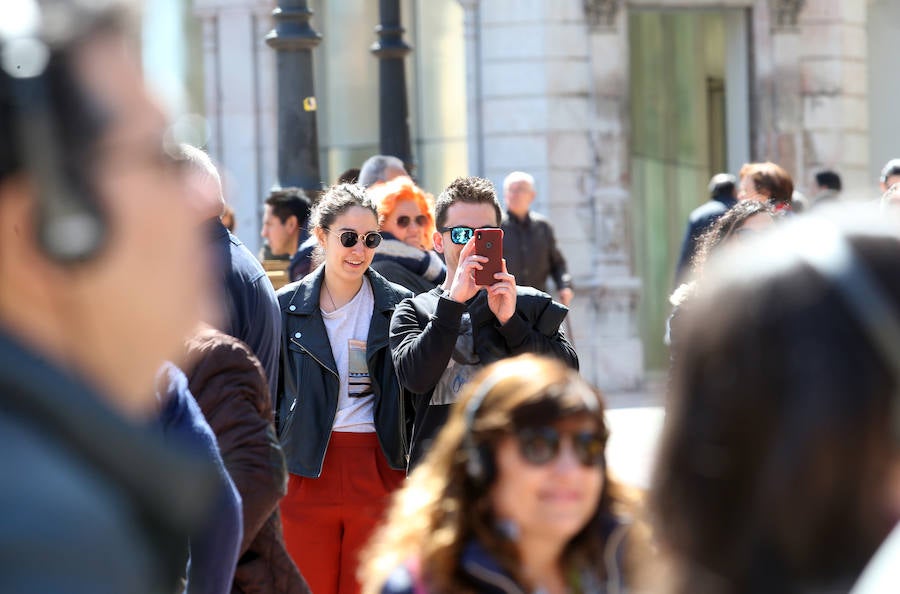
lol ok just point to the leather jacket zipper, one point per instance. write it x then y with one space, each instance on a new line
336 400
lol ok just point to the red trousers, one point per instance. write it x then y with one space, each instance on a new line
328 520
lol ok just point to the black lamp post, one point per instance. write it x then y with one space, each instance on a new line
298 142
393 109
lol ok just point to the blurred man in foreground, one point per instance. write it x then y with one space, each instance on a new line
95 293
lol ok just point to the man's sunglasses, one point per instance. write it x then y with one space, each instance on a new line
403 221
350 238
461 235
541 445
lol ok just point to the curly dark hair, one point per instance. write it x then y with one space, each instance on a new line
473 190
725 227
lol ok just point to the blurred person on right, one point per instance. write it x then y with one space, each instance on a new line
92 302
890 174
406 220
766 182
778 465
513 497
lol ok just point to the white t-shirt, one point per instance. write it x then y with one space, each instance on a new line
348 329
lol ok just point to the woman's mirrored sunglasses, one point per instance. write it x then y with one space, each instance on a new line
349 238
403 221
541 445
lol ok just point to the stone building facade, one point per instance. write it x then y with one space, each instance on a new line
621 109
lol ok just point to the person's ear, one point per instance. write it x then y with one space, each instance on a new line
438 239
291 224
321 236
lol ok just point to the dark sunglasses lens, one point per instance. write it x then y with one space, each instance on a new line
421 220
588 448
539 446
373 240
461 235
349 238
403 221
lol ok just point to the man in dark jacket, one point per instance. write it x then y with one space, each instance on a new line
529 244
95 293
722 196
441 338
244 291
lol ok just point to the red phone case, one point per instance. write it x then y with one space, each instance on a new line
489 243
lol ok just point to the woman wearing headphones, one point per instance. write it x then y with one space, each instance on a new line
340 407
513 497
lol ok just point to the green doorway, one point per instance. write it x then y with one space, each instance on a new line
689 114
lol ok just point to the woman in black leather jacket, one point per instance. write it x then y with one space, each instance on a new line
341 420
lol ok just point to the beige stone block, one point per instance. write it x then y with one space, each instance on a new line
510 78
511 11
569 149
609 57
567 76
833 76
566 40
568 114
833 40
513 42
830 11
519 115
829 112
527 151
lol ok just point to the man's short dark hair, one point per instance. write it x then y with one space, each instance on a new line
722 184
288 202
828 179
471 190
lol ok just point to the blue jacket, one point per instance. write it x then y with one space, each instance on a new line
309 382
92 502
251 311
215 545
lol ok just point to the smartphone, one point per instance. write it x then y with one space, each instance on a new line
489 243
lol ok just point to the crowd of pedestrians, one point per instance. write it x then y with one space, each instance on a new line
384 423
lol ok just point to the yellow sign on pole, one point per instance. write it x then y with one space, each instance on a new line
309 104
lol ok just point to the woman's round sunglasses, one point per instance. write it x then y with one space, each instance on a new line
541 445
403 221
350 238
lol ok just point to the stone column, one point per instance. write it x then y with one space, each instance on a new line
605 312
834 93
238 104
472 34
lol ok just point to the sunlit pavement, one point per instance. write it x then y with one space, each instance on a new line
635 421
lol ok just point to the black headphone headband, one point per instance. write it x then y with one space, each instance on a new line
833 257
71 226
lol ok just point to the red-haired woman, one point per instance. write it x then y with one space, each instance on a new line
407 224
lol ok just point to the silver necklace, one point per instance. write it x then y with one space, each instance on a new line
330 298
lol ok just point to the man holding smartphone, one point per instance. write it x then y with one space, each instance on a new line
441 338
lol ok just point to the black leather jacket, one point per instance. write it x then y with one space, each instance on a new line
309 384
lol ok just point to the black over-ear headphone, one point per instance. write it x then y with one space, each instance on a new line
70 224
833 257
480 465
